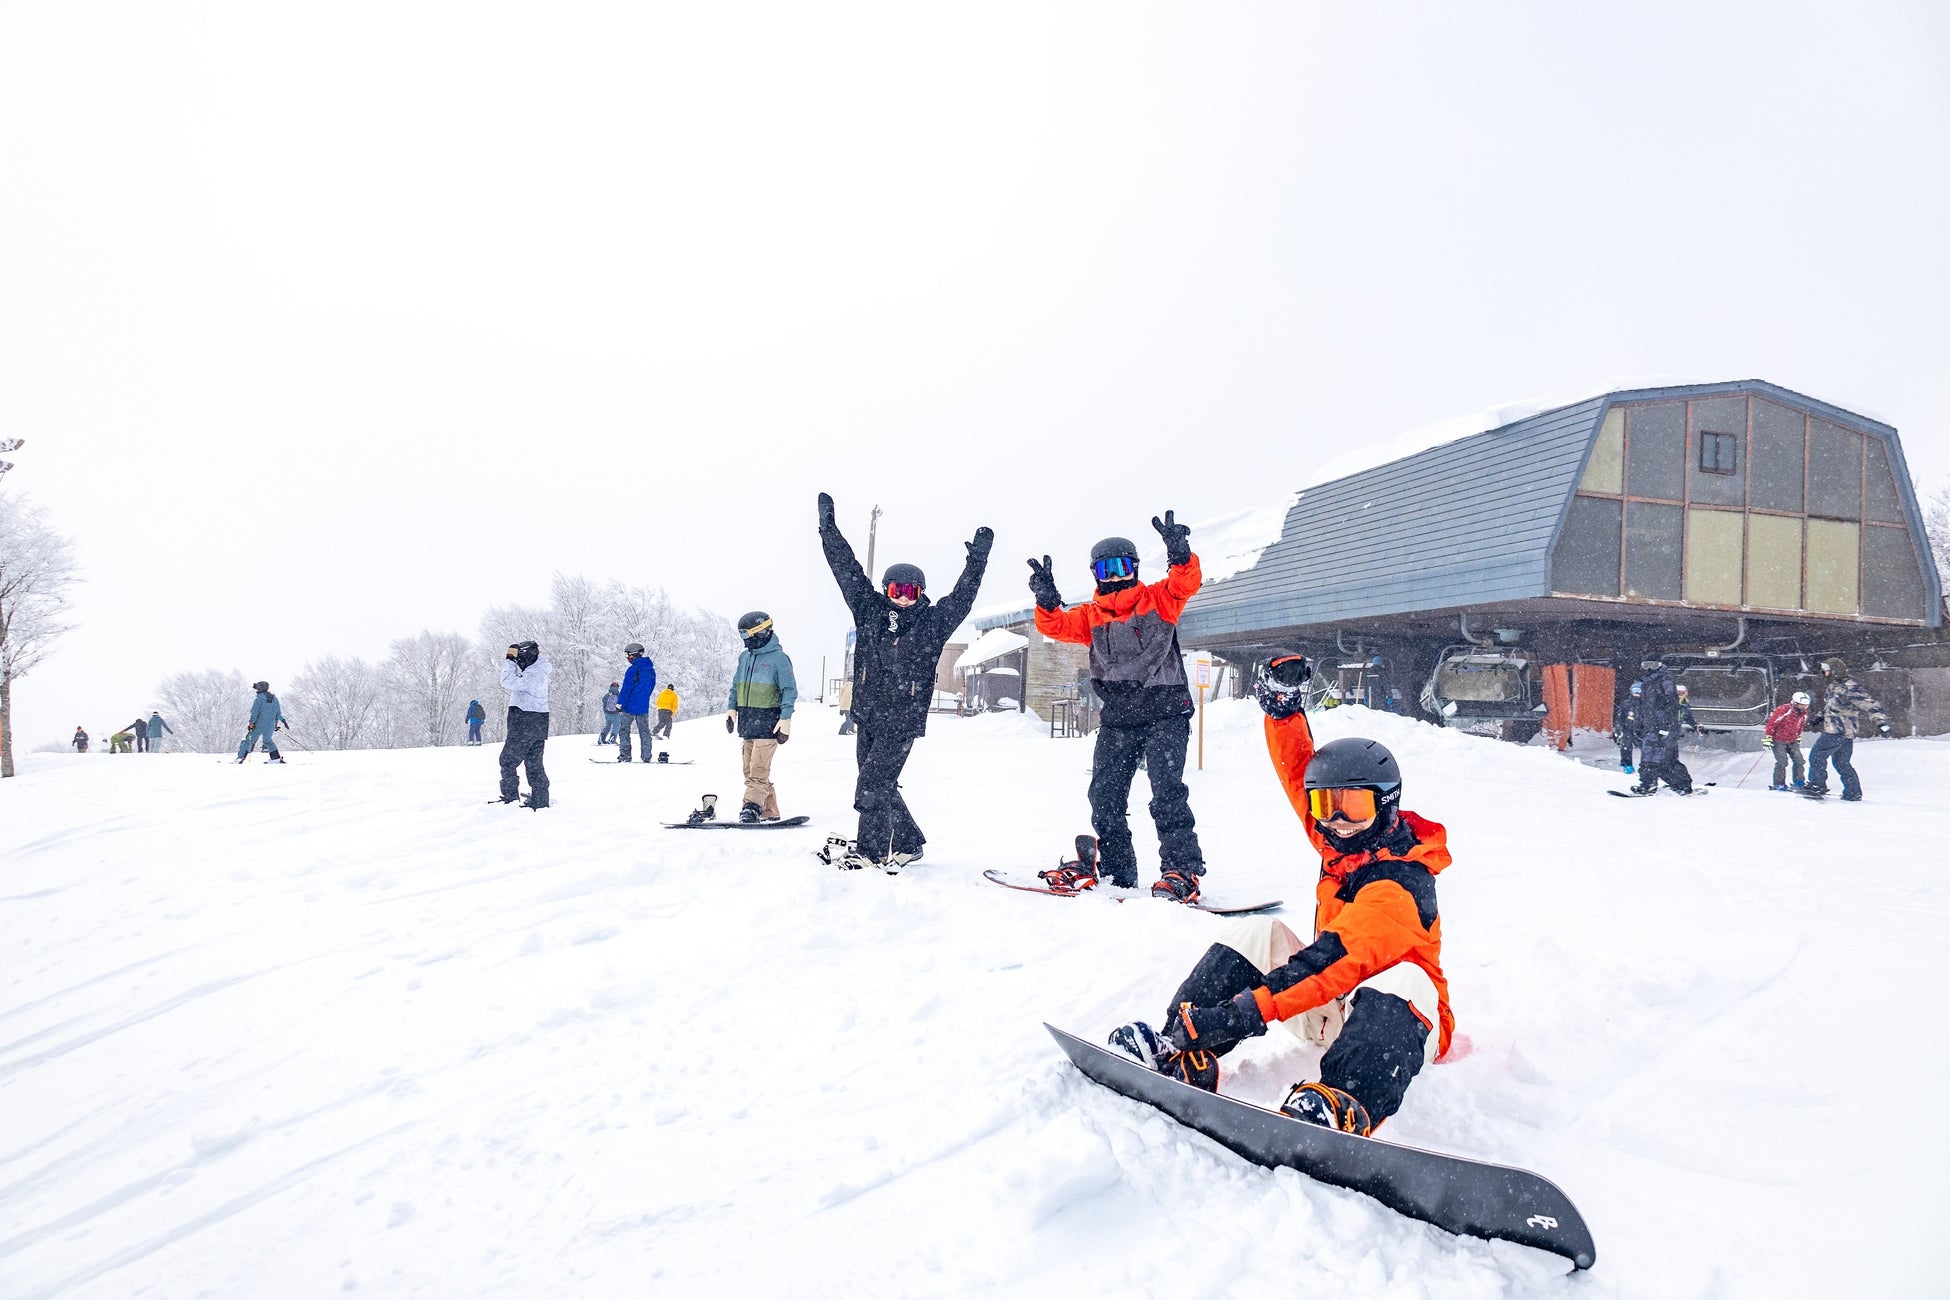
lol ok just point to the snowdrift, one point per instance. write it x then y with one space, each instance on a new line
343 1027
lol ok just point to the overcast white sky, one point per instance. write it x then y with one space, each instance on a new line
327 324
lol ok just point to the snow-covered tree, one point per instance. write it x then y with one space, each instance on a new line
1936 522
206 710
37 570
343 702
427 687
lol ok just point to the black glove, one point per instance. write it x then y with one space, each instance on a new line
1281 685
1042 584
979 548
1178 546
730 723
826 516
1216 1029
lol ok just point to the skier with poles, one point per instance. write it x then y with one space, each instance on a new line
1138 670
1783 730
898 638
266 716
1369 986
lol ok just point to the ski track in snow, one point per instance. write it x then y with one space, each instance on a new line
342 1027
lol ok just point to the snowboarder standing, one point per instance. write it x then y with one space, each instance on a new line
639 681
666 713
524 675
898 638
154 730
1625 726
759 712
80 741
1659 740
1784 738
612 714
476 715
139 733
1843 704
266 716
1369 986
1139 671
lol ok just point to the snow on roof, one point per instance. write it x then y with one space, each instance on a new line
992 644
1418 440
1228 543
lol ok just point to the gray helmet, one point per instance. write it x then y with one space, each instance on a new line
633 649
755 627
1352 761
1112 547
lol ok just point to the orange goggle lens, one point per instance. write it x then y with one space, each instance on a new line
1355 805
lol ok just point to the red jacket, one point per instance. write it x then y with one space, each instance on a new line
1372 909
1784 724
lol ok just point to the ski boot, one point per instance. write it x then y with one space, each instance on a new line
748 814
1317 1103
1145 1044
1075 877
1178 885
1778 787
707 812
528 802
1626 768
275 758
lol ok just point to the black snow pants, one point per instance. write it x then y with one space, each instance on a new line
1659 759
527 733
886 826
1161 745
1381 1044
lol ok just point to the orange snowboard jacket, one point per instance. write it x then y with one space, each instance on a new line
1372 909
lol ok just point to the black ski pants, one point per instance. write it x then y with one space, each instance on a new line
1659 760
1377 1055
886 826
1161 745
1839 750
527 733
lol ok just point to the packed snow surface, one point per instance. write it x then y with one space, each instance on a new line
343 1028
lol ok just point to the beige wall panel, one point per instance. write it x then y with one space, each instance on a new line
1773 562
1713 557
1605 472
1834 566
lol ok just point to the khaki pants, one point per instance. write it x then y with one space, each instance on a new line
1269 944
758 776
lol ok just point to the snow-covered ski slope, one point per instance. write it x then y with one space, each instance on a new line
341 1027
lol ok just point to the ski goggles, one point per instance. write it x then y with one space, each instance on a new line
903 591
1349 803
1114 567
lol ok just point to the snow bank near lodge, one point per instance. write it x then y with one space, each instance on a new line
341 1028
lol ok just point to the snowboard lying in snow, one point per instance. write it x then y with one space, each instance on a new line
735 825
1466 1197
1034 885
1636 793
617 762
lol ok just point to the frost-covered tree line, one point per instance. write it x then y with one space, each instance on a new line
37 570
418 694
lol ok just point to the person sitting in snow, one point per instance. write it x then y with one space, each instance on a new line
1369 986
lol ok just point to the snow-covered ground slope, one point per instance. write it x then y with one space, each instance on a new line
342 1027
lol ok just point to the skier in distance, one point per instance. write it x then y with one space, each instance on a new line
1369 987
267 715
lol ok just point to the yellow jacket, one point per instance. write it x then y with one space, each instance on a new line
667 699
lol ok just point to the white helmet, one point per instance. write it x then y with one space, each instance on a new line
1801 698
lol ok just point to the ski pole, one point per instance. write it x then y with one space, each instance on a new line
1750 771
299 743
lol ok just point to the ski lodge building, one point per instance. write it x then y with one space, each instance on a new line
1514 578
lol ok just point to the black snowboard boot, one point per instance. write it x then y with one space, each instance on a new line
1139 1040
749 814
1179 885
1328 1107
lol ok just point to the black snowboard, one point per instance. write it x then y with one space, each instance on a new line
735 825
611 762
1457 1195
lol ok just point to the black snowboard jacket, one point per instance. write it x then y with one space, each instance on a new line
896 651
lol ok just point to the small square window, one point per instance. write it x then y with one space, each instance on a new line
1716 453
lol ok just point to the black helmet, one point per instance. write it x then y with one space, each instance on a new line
633 649
1280 686
756 628
1652 662
908 573
1112 547
261 686
1352 761
1114 563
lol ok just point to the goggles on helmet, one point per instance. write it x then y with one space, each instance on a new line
1114 567
1350 803
903 591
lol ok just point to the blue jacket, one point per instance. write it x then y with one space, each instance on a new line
639 683
763 690
156 726
266 713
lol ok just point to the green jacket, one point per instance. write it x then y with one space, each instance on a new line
762 690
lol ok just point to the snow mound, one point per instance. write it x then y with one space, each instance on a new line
344 1025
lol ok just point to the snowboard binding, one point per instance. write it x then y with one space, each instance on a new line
1075 877
708 811
839 852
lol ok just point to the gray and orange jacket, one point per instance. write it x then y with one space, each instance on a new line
1372 909
1135 663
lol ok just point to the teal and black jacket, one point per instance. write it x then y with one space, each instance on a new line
762 690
